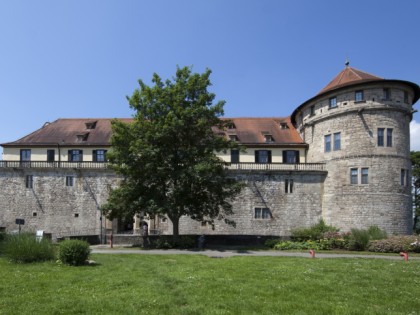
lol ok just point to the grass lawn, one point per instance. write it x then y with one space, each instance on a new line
194 284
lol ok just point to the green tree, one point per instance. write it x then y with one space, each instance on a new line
167 155
415 161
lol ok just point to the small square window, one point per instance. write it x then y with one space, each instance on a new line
284 126
34 214
76 215
358 96
333 102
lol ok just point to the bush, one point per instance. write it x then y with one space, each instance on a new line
338 240
314 232
376 233
25 248
310 244
168 242
271 243
359 239
395 244
73 252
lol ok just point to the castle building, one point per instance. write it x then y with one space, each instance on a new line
343 156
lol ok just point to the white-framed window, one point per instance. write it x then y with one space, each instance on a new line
75 155
262 213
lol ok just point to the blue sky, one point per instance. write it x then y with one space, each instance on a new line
76 59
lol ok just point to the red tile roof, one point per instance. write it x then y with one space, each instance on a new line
349 76
77 132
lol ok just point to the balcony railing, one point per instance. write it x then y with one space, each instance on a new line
43 164
229 166
277 166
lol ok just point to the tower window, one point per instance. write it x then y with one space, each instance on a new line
29 183
387 94
354 176
337 141
389 137
333 102
365 176
312 110
358 96
381 132
327 143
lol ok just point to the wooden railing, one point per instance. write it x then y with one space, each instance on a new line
229 166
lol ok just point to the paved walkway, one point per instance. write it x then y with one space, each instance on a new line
222 253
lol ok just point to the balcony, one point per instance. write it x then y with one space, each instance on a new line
53 165
320 167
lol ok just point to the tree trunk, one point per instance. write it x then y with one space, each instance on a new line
175 228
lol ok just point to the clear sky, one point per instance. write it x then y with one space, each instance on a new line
80 58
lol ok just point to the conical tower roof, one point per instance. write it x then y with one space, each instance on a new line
349 76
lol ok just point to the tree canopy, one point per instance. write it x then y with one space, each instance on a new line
167 155
415 160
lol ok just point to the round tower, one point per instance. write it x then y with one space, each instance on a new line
359 126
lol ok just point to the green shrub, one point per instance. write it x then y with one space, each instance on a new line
359 239
25 248
338 240
395 244
314 232
73 252
271 243
168 242
322 244
376 233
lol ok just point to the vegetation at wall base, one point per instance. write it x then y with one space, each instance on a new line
195 284
314 232
26 248
74 252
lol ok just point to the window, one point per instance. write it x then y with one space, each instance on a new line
358 96
389 137
99 156
365 176
234 156
406 97
50 155
284 126
29 183
233 138
262 213
381 132
291 156
327 143
262 156
402 177
354 180
387 94
333 102
25 155
288 186
164 219
312 110
82 137
268 138
76 215
337 141
75 155
91 125
69 181
34 214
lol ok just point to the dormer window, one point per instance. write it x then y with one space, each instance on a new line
233 138
82 137
90 125
231 125
284 126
